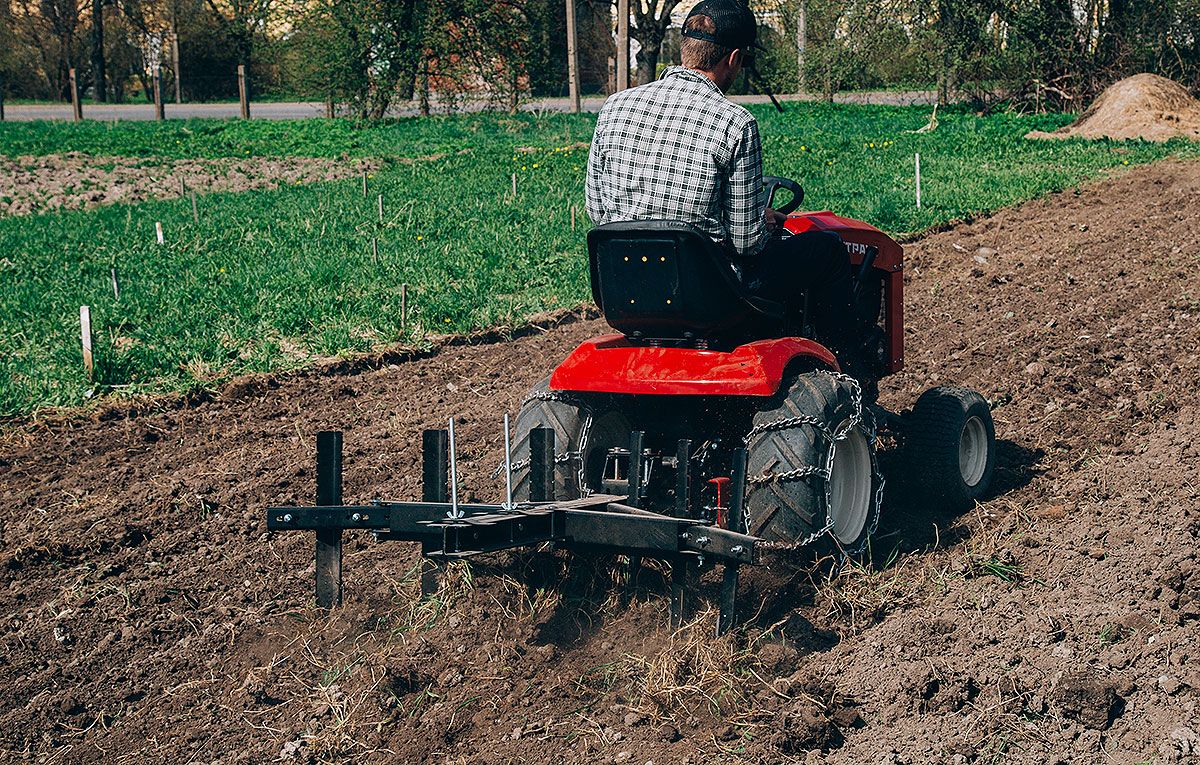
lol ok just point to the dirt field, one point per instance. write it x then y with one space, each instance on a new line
74 181
149 617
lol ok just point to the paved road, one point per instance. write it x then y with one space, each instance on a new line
309 109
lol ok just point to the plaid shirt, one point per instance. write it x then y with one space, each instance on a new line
677 149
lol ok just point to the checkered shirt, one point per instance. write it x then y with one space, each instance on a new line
677 149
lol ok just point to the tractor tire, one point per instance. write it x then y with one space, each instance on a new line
812 474
950 447
583 434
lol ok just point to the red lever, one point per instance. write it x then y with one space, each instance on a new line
719 482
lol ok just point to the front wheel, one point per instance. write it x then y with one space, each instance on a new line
950 445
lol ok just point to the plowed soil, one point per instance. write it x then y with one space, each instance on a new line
148 616
74 181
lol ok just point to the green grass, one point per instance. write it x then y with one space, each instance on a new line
209 138
268 279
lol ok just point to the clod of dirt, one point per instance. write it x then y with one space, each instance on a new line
1087 700
805 726
1144 106
778 659
668 734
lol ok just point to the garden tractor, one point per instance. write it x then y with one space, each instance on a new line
698 366
706 429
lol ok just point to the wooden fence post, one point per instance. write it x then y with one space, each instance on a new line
76 107
175 62
243 91
85 336
159 109
622 44
572 57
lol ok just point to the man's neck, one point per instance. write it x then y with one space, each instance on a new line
711 76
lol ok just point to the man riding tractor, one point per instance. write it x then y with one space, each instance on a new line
677 149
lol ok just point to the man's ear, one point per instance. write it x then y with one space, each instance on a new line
735 58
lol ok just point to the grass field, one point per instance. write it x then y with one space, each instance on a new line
267 280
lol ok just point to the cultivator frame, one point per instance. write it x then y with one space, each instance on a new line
450 530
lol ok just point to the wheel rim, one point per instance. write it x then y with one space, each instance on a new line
850 487
973 451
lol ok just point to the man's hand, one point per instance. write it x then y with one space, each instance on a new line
774 220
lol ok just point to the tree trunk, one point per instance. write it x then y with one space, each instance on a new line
98 51
647 62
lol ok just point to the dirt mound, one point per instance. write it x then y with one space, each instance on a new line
1144 106
150 618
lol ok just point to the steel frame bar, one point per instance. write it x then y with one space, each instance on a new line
598 523
329 537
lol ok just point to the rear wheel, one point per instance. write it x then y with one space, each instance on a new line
812 473
950 445
583 434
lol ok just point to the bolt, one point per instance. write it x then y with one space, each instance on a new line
356 517
287 518
685 535
737 549
702 541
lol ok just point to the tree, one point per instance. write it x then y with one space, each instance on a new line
244 21
651 18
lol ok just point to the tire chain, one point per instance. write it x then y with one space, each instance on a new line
860 415
550 395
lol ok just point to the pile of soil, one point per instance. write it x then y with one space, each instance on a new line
35 184
1144 106
148 616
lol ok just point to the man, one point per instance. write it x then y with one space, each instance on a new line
677 149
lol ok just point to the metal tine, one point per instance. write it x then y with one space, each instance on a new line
454 511
508 497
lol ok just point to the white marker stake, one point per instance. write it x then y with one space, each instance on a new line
112 272
85 335
454 513
514 184
508 503
381 208
572 217
403 306
918 181
195 212
158 231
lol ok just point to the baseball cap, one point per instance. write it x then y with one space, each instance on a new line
734 20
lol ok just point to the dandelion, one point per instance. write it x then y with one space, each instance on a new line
523 167
419 237
535 165
447 320
803 148
222 269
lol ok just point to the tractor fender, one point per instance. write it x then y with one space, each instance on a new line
612 364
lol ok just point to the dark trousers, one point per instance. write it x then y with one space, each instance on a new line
814 262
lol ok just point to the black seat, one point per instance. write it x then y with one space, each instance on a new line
663 279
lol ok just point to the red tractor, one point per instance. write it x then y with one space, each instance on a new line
697 370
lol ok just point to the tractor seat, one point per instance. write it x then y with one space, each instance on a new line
662 279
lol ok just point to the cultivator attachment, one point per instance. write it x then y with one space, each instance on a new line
450 530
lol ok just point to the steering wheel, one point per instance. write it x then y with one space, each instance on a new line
774 183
